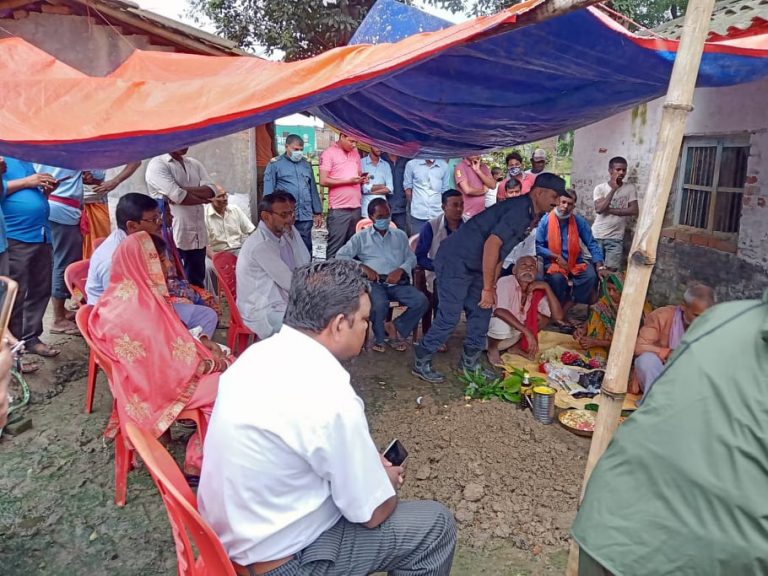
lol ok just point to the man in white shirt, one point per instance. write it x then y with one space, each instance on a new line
185 184
266 264
615 201
292 482
134 213
424 182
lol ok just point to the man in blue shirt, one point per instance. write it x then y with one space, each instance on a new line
26 210
293 173
467 266
380 181
558 242
397 201
387 260
66 210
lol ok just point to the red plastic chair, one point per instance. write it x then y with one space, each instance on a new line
239 335
188 527
75 277
124 454
81 319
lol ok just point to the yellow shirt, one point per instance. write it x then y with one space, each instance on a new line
227 232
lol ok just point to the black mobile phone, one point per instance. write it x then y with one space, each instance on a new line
396 453
60 180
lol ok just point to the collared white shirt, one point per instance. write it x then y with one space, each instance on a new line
287 452
100 267
263 278
227 231
165 179
427 184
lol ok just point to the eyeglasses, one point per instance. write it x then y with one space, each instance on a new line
286 214
155 220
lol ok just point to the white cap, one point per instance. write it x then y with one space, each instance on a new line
539 154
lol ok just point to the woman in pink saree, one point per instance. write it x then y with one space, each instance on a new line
158 367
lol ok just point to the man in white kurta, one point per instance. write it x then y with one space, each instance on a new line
266 263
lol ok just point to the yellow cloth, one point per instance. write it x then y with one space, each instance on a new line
547 341
99 227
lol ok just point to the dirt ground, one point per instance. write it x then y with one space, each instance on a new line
512 483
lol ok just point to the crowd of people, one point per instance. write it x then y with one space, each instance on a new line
505 247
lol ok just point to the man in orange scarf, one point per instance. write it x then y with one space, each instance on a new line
558 240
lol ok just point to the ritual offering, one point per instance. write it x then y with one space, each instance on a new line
580 422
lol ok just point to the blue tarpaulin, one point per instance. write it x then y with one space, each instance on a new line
435 90
517 86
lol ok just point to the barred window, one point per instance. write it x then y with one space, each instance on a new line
712 179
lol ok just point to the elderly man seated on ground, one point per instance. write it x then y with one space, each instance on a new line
558 240
134 213
266 263
388 262
524 306
228 227
662 332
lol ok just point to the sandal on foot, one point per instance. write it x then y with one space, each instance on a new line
378 347
43 350
72 331
29 368
398 345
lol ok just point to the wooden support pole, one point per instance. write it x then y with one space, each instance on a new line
678 105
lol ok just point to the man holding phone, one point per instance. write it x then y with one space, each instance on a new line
292 482
615 201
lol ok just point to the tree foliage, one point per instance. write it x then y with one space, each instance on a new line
303 28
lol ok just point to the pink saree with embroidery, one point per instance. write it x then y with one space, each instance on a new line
158 368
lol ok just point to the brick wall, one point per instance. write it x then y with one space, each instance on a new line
735 265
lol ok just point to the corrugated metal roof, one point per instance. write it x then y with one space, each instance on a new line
170 24
730 19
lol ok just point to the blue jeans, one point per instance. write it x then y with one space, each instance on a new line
457 289
409 296
582 291
305 231
613 252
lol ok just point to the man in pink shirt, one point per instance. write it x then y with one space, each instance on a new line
473 179
342 174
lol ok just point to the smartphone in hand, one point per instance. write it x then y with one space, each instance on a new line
395 453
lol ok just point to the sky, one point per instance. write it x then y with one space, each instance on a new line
176 8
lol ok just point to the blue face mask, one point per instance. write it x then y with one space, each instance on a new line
382 224
297 155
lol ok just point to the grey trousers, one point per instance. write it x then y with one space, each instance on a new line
31 265
648 367
341 224
417 540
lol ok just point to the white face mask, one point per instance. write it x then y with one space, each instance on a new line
561 215
297 155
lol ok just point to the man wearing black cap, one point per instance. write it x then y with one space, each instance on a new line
467 266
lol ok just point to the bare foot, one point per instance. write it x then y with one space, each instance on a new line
494 357
64 327
389 328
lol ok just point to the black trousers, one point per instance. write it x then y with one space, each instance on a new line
31 265
194 265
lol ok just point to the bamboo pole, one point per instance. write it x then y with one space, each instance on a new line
678 105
